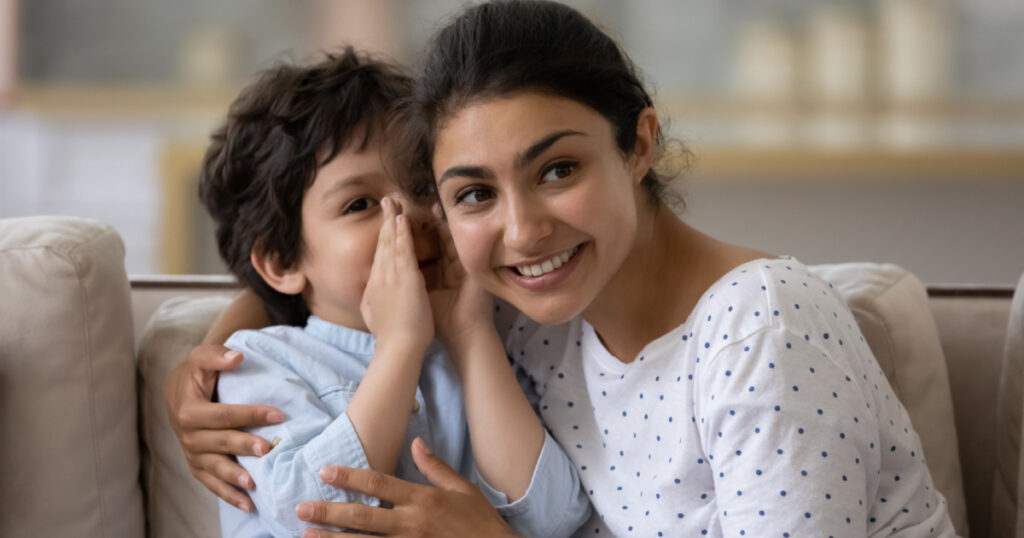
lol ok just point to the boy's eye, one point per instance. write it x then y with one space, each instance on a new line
359 204
473 195
558 171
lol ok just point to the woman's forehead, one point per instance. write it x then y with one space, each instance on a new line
510 124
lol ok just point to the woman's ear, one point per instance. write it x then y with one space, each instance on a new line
287 280
646 145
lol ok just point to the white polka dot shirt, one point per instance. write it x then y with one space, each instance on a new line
764 414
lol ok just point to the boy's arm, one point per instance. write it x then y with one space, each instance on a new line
514 454
396 309
505 433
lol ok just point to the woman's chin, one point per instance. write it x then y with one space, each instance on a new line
547 314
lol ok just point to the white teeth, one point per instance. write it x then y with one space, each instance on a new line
547 266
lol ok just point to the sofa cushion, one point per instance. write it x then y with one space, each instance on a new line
891 309
70 457
177 504
1007 515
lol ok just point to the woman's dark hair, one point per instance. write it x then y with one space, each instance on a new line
501 47
279 132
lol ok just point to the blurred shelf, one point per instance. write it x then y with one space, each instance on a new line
132 102
858 164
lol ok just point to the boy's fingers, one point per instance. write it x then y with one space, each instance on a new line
226 491
405 251
383 258
218 416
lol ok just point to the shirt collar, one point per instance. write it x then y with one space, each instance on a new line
346 339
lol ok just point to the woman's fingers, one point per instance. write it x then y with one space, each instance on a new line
347 515
373 483
232 442
226 469
436 470
206 415
214 358
225 491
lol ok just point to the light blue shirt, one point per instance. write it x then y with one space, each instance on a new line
310 373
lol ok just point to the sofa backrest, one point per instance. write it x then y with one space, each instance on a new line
69 460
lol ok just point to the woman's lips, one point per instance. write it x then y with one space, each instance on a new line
549 277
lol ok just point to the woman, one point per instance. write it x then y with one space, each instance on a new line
700 388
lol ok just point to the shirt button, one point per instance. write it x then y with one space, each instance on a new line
415 406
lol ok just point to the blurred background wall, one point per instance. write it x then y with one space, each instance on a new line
876 130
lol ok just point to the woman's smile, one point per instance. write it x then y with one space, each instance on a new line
547 273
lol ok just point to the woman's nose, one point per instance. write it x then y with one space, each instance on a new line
527 225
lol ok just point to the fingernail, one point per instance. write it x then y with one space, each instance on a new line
257 448
304 511
275 417
246 481
400 219
231 355
423 445
328 474
245 508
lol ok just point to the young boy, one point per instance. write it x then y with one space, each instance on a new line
310 220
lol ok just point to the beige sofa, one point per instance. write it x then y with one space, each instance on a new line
84 352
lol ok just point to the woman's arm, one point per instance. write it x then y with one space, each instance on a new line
245 312
208 432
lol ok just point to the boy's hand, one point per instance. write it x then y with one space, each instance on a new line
462 308
207 431
395 305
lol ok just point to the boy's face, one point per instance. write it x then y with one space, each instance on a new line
341 219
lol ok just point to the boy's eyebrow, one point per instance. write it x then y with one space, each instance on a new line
346 182
521 161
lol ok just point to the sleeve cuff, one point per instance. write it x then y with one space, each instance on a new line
344 449
553 504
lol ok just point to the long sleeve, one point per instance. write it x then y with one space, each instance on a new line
316 432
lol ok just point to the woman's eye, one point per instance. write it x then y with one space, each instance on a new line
473 195
558 171
359 204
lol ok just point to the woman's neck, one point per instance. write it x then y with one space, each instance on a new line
669 268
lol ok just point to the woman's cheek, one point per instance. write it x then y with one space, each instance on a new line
471 246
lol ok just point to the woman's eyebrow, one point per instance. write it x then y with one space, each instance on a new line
532 152
475 172
521 161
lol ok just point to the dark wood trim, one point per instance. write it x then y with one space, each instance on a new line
970 290
157 282
228 282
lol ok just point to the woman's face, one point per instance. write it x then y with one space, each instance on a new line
541 205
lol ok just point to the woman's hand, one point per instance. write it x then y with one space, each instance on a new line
455 507
395 305
208 431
